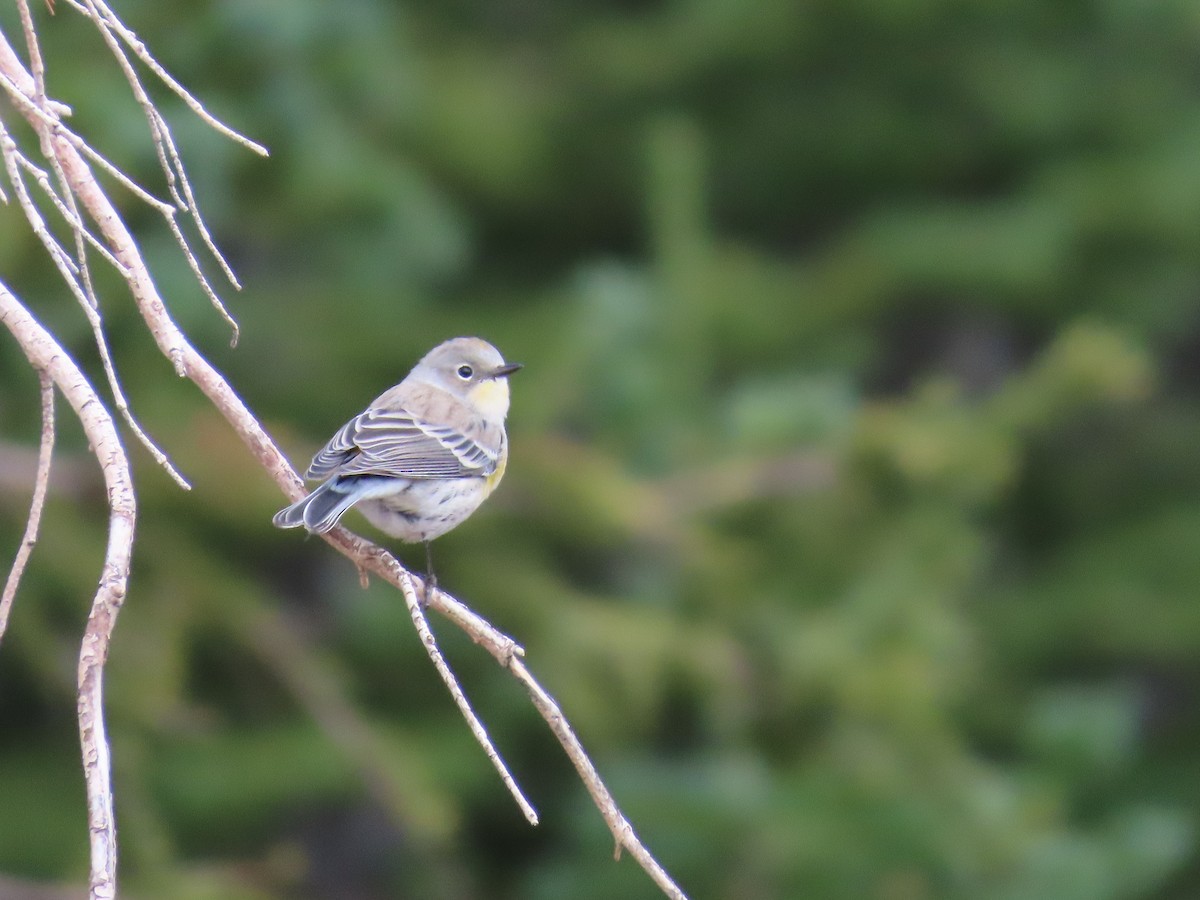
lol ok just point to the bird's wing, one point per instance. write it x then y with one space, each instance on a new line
395 443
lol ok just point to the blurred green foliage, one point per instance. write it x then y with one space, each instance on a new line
854 507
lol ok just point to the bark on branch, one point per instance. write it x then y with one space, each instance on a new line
46 356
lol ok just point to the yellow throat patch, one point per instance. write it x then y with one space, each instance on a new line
490 398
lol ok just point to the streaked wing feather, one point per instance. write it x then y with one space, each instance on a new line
392 442
472 454
340 448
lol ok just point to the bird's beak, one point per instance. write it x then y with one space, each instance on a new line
505 370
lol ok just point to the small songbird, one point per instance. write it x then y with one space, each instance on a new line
423 456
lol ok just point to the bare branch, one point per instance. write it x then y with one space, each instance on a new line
508 654
35 53
41 482
45 355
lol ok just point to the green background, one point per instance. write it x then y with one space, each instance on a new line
853 513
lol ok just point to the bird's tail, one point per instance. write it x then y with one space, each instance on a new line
319 511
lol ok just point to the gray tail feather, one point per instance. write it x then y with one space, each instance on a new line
319 511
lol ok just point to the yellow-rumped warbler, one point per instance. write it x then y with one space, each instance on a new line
422 456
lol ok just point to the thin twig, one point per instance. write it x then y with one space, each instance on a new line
70 271
62 260
122 405
623 834
194 207
158 126
139 49
171 164
429 642
70 215
194 265
107 22
82 236
40 98
41 482
28 107
36 66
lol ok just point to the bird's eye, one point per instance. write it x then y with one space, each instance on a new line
465 372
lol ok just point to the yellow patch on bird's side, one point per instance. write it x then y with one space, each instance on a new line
491 398
494 479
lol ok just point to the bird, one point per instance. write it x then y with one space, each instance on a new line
422 456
